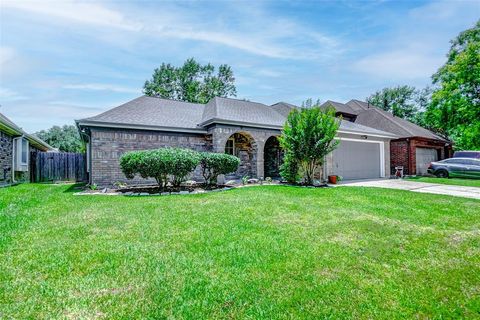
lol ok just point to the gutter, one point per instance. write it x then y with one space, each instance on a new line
98 124
368 134
240 123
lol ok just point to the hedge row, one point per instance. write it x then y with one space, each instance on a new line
175 164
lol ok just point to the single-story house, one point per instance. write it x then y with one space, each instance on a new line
413 149
16 147
246 129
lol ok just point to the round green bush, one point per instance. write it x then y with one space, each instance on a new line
214 164
160 164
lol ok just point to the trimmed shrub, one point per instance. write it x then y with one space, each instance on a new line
215 164
160 164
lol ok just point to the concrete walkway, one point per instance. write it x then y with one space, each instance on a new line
456 191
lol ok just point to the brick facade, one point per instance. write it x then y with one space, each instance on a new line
107 145
403 152
6 157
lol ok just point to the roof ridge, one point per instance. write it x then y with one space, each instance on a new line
160 98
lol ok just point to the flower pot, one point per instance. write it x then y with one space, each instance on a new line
332 179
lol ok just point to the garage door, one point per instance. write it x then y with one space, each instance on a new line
357 160
423 157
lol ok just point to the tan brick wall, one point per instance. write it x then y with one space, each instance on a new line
107 145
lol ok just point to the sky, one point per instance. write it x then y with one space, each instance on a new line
67 60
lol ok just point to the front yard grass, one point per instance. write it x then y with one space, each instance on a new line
269 252
450 181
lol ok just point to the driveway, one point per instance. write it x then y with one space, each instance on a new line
456 191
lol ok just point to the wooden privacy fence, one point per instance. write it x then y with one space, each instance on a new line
57 166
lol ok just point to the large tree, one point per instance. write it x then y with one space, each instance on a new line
400 100
66 138
455 106
307 137
191 82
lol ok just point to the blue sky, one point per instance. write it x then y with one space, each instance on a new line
65 60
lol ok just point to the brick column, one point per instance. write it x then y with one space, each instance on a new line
260 159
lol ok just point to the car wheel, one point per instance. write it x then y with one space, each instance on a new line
442 174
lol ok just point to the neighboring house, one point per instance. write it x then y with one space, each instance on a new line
246 129
16 147
415 147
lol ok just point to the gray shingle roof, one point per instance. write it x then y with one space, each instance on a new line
339 107
380 119
283 108
241 111
355 127
170 114
151 111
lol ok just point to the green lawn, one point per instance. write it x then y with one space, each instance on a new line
268 252
451 181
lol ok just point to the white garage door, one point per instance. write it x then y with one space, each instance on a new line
357 160
423 157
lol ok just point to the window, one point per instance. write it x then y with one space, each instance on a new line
20 154
230 146
24 152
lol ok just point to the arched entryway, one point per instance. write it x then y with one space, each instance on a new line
243 146
273 157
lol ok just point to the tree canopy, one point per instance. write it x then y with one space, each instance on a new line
455 106
191 82
400 100
66 138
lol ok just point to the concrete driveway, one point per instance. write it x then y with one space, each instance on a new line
456 191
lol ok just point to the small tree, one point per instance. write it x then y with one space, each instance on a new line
308 136
214 164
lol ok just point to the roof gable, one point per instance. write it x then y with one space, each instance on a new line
339 107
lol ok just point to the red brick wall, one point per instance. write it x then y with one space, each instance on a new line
399 155
403 152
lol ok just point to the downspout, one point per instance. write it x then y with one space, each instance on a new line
13 161
89 146
408 157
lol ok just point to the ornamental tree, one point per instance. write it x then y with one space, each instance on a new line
307 137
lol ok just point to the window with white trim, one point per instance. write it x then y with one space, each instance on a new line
20 154
24 152
230 146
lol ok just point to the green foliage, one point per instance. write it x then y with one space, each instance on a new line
309 103
455 107
307 137
289 170
191 82
401 101
66 138
164 164
213 164
245 179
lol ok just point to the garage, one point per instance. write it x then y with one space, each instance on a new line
423 157
358 159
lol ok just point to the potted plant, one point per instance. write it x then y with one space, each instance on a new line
333 179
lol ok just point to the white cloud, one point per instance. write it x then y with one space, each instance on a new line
71 11
10 95
279 38
100 87
402 64
7 54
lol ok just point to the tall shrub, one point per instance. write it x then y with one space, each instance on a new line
214 164
307 137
